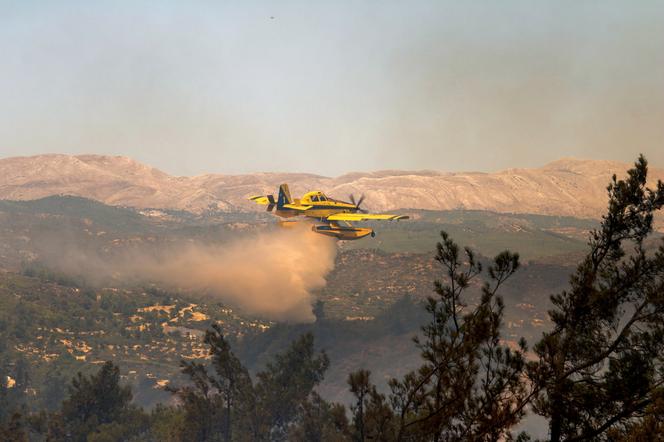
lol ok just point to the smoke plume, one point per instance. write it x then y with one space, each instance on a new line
270 274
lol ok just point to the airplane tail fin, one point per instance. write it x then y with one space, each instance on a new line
284 196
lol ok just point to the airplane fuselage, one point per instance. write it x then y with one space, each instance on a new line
335 214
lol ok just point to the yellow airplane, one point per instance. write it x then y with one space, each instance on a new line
336 215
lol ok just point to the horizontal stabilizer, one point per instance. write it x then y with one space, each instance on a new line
267 200
260 199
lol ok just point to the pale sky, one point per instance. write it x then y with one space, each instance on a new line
332 87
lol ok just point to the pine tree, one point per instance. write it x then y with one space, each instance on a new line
215 402
373 418
222 403
285 384
470 386
601 368
320 421
93 401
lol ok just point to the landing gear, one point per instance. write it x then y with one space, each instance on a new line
373 234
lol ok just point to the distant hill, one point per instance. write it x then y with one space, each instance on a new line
79 208
568 187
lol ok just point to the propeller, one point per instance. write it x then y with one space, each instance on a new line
358 203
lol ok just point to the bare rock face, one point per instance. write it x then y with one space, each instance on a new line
565 187
111 180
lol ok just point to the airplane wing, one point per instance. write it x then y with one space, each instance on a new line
264 200
364 217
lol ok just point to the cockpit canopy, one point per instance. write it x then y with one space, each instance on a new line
314 197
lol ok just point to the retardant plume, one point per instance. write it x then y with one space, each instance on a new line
271 274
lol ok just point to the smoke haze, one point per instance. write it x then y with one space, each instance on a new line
269 274
195 87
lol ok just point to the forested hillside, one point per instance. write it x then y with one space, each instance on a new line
55 322
60 322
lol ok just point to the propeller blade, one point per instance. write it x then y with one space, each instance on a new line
357 203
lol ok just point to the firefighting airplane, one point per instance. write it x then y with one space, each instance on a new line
336 215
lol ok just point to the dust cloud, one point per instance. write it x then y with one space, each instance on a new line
271 274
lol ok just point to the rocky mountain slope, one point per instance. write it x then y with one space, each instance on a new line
565 187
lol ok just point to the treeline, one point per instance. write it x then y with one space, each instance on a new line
597 375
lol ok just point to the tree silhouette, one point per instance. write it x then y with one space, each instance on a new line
373 418
286 383
601 367
471 385
223 403
320 421
94 401
213 399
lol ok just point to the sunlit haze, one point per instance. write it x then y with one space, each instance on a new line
327 88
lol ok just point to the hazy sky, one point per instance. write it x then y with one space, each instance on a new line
330 87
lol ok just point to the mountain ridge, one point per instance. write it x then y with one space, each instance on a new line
568 186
